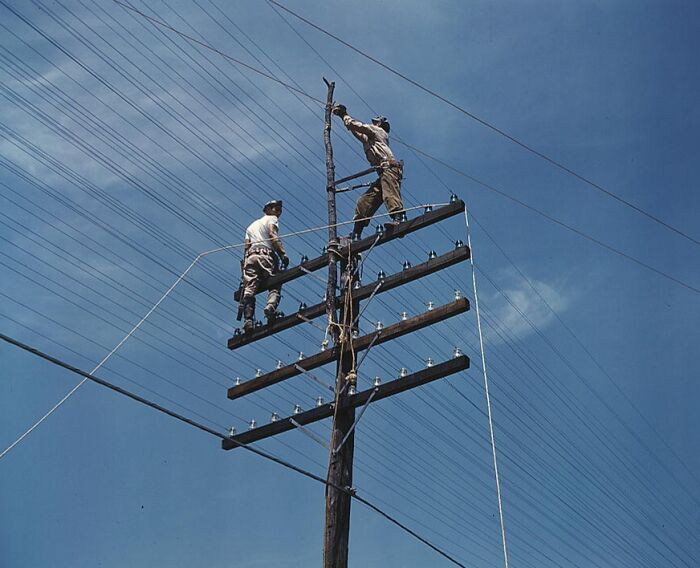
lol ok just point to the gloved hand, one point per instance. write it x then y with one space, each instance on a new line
285 261
339 110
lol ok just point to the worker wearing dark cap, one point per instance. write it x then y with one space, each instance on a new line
387 187
264 253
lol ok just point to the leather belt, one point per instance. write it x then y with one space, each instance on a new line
259 249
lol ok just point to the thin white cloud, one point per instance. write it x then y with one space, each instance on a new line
525 304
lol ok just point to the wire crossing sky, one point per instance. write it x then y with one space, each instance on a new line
126 149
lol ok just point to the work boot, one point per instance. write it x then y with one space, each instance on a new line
248 314
357 231
396 220
270 313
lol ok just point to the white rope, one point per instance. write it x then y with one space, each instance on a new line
486 389
106 358
167 293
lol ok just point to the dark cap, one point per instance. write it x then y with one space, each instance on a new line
382 122
273 203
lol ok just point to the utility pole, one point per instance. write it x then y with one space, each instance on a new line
337 524
342 308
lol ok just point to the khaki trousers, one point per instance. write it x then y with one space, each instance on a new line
386 188
258 265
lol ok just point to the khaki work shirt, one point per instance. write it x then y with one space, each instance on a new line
375 140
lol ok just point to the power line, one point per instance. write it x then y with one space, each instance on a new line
556 221
347 490
224 55
550 218
490 126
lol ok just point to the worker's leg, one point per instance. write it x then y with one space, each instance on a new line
251 281
268 267
367 205
390 180
274 295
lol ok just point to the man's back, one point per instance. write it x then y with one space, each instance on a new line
258 232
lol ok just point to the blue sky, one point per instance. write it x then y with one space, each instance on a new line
125 151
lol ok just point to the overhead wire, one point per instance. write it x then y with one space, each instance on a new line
491 126
208 430
560 223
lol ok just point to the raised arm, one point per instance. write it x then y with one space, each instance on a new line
359 129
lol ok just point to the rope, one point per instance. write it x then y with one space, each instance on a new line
486 389
104 360
160 301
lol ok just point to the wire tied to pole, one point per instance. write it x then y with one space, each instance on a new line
486 390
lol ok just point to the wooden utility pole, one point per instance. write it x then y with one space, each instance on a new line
341 307
337 523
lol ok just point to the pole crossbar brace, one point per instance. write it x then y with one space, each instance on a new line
369 348
422 377
352 428
390 282
353 187
361 343
401 230
315 378
309 433
357 175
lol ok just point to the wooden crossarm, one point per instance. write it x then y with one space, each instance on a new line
403 229
395 280
326 410
322 358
